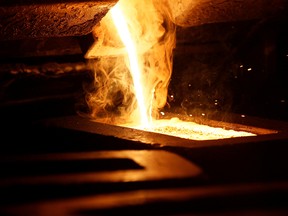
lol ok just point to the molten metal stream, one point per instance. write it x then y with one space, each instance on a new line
135 70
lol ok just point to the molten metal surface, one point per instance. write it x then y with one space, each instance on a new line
192 130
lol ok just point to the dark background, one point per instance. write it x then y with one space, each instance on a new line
238 67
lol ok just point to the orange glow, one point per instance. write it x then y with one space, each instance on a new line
132 63
134 48
125 35
194 131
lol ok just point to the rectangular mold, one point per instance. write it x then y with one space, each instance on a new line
264 129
